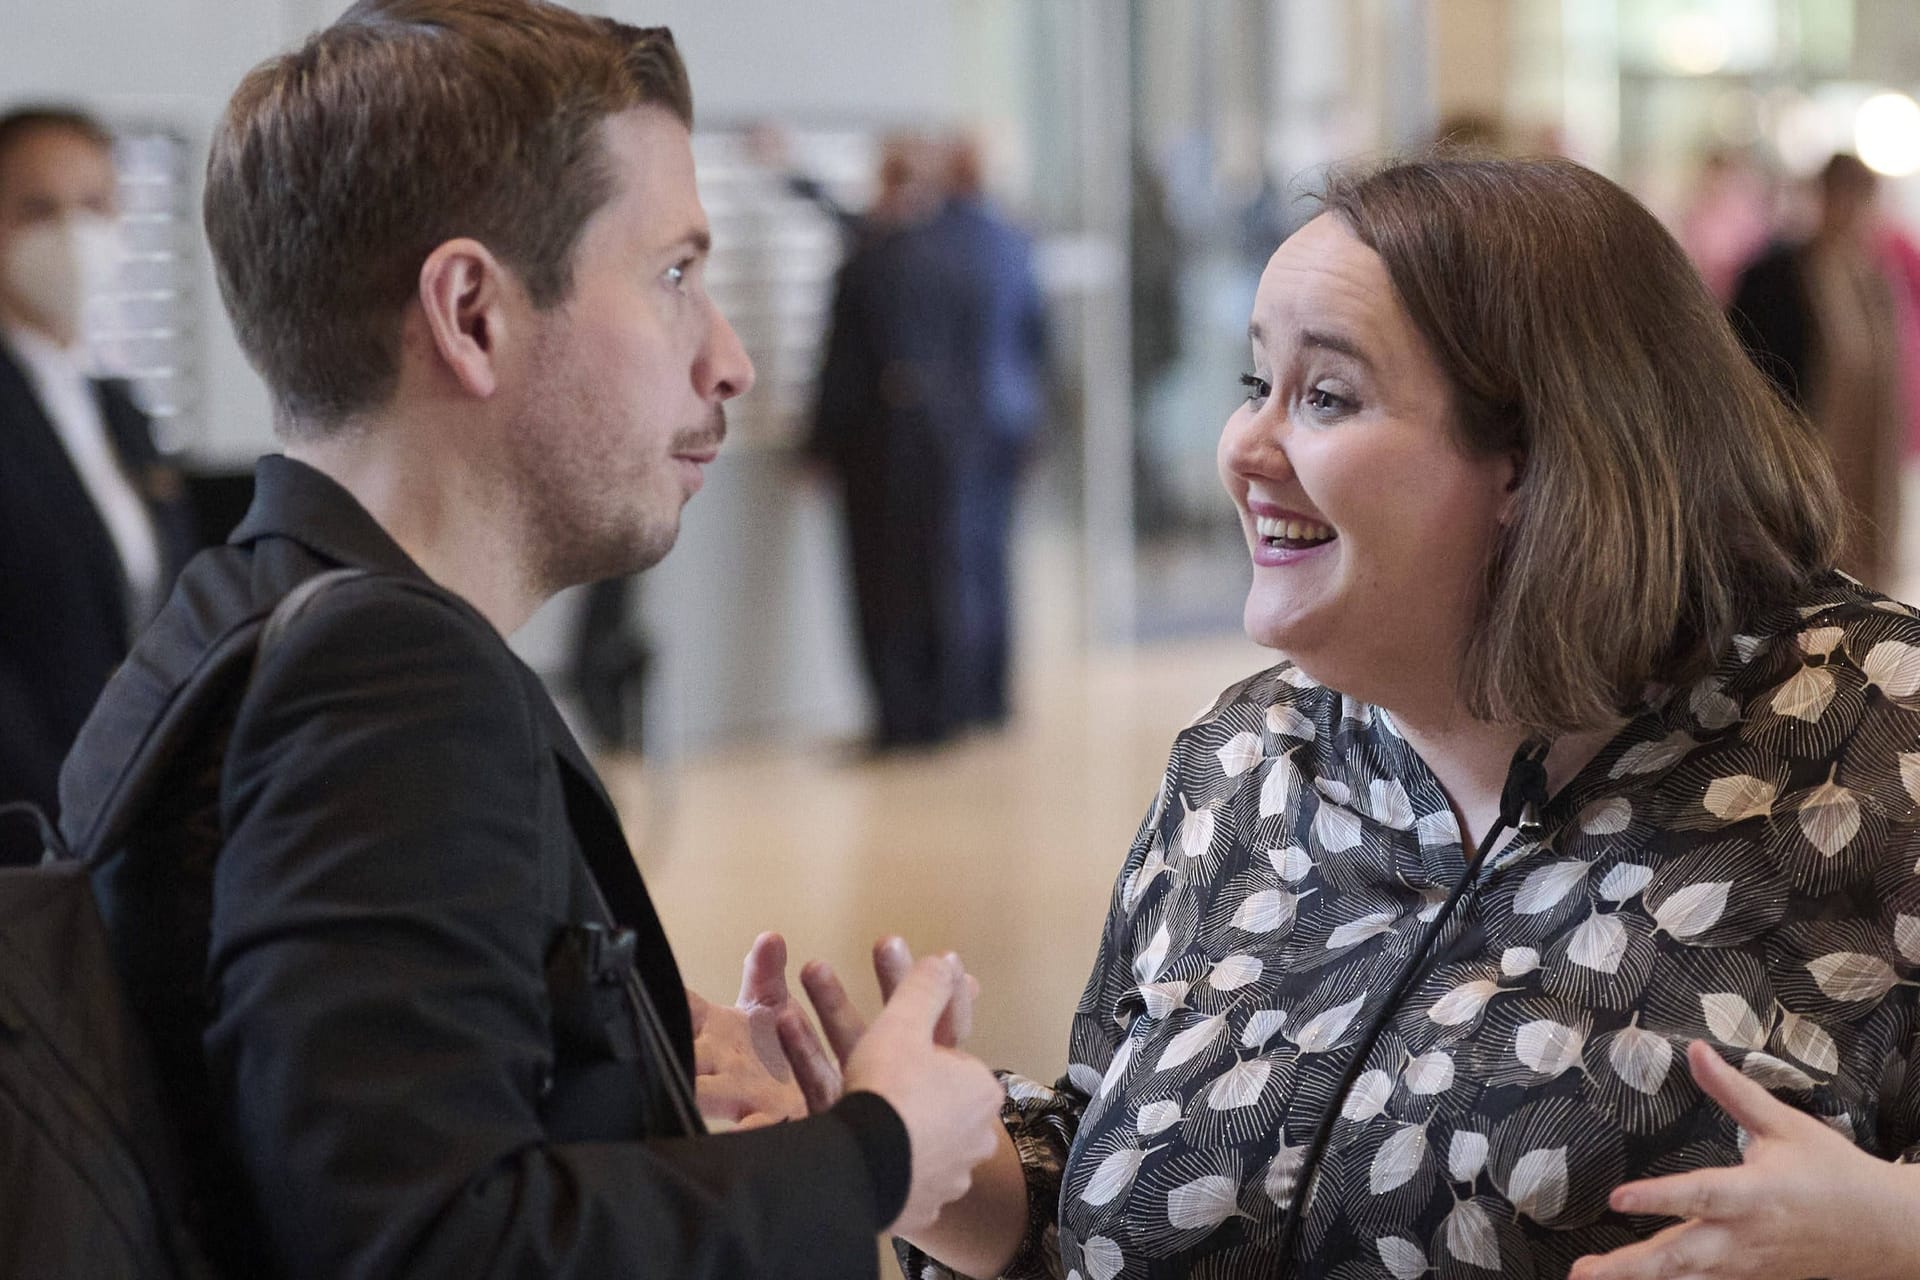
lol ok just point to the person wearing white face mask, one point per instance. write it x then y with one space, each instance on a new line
93 522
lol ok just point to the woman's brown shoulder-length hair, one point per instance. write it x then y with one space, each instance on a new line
1667 495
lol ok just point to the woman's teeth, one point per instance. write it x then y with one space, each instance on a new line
1297 533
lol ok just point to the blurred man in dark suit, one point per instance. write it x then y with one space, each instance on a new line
93 523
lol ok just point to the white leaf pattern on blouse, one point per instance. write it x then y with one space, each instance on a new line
1547 1046
1771 1073
1117 1068
1103 1258
1234 972
1268 911
1391 805
1733 1020
1463 1004
1336 828
1910 774
1894 667
1624 881
1906 936
1261 1027
1196 832
1292 864
1693 910
1240 1086
1466 1155
1157 1117
1807 695
1282 782
1240 753
1403 1259
1470 1237
1651 757
1820 642
1849 976
1334 790
1600 943
1323 1031
1115 1174
1607 817
1203 1204
1369 1098
1739 797
1538 1184
1164 997
1430 1073
1830 816
1191 1043
1545 886
1518 962
1290 722
1367 926
1146 966
1641 1058
1809 1042
1398 1159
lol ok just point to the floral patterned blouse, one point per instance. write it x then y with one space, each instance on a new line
1738 865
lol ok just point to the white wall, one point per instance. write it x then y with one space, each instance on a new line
835 60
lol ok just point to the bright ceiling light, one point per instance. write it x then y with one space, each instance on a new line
1886 133
1694 44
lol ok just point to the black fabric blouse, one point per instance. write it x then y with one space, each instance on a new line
1736 865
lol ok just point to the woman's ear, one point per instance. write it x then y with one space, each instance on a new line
1515 466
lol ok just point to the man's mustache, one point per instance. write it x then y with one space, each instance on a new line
707 438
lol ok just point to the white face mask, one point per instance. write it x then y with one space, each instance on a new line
56 268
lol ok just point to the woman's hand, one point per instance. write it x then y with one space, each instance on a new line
741 1072
1805 1202
818 1073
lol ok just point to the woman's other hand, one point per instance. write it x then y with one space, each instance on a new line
1805 1202
819 1073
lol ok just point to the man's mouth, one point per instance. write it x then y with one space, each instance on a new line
1289 534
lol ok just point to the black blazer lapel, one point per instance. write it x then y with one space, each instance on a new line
596 823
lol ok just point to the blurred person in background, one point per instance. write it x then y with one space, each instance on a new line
94 522
1000 368
1726 220
1580 753
1818 316
928 398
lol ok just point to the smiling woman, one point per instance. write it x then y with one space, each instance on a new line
1580 753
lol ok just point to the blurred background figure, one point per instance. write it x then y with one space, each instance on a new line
929 396
1001 371
1727 220
94 523
1818 315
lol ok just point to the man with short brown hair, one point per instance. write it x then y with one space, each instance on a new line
411 1003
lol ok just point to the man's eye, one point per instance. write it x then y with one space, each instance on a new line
677 274
1258 388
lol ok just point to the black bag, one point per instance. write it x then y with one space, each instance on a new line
92 1183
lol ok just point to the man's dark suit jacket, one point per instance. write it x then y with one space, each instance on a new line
389 1052
63 592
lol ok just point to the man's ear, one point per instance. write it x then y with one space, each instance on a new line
463 294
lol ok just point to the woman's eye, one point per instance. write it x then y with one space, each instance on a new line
1321 400
1258 388
677 275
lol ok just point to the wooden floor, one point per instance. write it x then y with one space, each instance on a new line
1002 847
